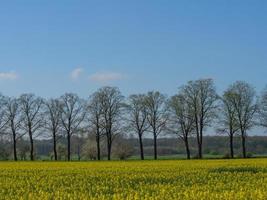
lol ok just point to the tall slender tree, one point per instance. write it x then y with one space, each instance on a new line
228 122
31 107
14 119
53 121
181 122
72 116
137 111
112 107
201 96
95 111
243 98
157 115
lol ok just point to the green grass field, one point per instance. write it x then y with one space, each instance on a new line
165 179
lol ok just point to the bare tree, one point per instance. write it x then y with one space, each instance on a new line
137 111
243 98
53 121
96 120
202 98
14 119
111 106
72 116
157 115
32 117
181 121
228 122
263 109
3 121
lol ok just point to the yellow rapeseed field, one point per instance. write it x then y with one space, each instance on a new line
207 179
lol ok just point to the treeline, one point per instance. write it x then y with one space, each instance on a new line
128 148
108 115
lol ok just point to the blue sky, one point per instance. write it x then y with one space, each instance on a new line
52 47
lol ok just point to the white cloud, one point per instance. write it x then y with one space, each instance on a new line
106 77
8 75
76 73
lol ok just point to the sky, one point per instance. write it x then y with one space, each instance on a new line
52 47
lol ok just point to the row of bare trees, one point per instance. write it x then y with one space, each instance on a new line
197 107
64 117
106 114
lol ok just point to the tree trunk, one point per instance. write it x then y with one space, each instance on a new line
155 147
198 138
55 146
199 146
15 147
109 147
109 152
141 147
98 147
109 156
200 155
243 136
231 146
69 147
187 148
31 145
199 151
